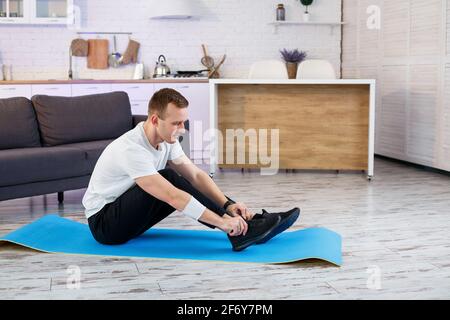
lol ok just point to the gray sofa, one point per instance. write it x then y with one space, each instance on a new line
51 144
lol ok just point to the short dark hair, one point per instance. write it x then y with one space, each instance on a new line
161 99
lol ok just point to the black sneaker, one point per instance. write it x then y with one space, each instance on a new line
258 229
287 219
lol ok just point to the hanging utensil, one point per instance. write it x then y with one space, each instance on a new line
98 54
215 72
131 53
207 61
79 48
115 58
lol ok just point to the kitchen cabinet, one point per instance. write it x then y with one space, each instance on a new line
139 107
61 90
51 11
14 11
136 91
11 91
139 94
198 96
36 12
87 89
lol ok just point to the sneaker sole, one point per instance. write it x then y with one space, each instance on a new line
262 236
282 226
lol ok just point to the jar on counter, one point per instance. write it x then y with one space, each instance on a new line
7 72
281 12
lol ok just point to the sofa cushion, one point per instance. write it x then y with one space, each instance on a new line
92 150
18 124
64 120
18 166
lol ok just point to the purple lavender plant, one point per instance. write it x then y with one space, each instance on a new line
293 56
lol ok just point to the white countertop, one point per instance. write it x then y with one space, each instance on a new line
199 80
91 81
292 81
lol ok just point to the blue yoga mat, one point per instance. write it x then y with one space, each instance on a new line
54 234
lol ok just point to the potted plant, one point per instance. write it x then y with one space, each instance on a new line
306 3
292 58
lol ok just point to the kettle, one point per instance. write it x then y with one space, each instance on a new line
161 69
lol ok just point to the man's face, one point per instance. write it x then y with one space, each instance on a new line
172 126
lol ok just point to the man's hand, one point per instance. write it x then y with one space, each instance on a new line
234 226
240 209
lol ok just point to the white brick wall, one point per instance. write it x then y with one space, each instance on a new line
238 28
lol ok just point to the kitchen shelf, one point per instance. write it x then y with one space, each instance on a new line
106 32
276 24
57 12
51 11
13 11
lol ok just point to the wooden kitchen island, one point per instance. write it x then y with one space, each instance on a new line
322 124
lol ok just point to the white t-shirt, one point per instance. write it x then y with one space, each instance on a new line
128 157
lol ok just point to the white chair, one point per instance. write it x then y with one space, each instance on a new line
316 69
268 69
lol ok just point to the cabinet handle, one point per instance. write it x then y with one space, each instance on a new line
11 89
52 88
183 87
133 88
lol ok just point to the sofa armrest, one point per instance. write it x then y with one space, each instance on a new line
138 118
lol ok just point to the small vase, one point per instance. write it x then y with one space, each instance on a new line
306 17
281 12
292 69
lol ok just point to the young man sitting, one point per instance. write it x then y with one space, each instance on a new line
143 176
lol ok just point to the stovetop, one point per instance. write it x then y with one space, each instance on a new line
184 75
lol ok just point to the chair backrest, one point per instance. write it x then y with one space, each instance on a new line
316 69
268 69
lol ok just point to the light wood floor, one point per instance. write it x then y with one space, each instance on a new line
398 224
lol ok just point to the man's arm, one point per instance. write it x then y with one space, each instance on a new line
157 186
202 182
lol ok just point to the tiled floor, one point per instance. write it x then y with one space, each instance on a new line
395 227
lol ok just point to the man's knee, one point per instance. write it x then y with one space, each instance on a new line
169 174
174 178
